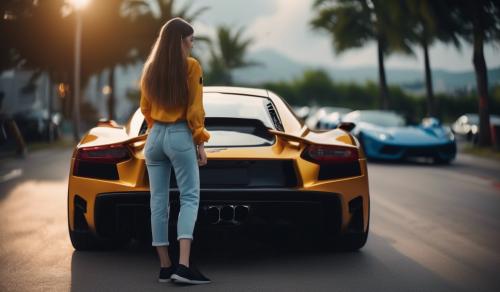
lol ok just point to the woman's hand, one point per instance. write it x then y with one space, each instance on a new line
202 155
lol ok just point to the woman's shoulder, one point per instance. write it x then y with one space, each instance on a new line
193 64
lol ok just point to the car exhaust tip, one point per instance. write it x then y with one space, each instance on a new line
227 213
213 214
241 213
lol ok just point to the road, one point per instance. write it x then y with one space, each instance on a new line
433 228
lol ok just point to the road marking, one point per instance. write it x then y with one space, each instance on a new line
11 175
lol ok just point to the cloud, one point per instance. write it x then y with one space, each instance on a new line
283 25
288 31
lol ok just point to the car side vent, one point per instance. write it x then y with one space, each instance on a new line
274 117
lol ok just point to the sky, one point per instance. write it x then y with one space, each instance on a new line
283 26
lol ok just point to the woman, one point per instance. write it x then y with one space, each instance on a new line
171 101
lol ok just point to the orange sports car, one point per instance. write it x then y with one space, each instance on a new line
264 166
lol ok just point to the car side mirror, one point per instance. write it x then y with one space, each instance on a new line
346 126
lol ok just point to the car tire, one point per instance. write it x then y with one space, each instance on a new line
82 241
85 241
348 241
352 242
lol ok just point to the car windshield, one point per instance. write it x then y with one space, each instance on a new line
382 119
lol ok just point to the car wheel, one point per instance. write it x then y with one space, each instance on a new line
348 241
354 241
85 241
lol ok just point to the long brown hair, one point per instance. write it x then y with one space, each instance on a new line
164 77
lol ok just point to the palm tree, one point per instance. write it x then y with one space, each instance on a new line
353 23
479 21
422 23
147 24
228 53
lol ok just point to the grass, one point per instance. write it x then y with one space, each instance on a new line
486 152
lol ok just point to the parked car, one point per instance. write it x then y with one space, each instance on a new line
333 119
302 112
314 121
36 125
263 167
386 136
467 126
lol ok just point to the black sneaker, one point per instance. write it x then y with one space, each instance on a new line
185 275
165 274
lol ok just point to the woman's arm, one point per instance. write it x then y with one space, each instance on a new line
195 112
202 155
146 110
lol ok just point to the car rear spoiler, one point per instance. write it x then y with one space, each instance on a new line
281 135
326 138
289 138
258 128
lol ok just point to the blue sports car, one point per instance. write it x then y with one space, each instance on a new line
384 135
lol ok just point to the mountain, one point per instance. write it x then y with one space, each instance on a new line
273 66
277 67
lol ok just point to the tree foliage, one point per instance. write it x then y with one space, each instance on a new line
354 23
227 53
420 24
479 23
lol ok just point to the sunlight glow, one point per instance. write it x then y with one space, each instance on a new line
79 4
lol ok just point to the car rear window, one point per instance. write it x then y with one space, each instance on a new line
237 106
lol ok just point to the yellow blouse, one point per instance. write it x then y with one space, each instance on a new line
194 114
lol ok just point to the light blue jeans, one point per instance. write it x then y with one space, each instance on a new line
167 146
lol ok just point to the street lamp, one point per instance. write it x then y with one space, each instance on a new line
78 6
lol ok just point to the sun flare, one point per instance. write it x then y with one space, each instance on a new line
79 4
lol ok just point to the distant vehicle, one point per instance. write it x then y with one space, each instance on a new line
467 126
36 124
302 112
314 119
385 135
333 119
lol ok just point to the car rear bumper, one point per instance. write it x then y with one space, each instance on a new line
127 214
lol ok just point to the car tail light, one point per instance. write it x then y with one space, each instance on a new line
100 161
104 154
330 154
